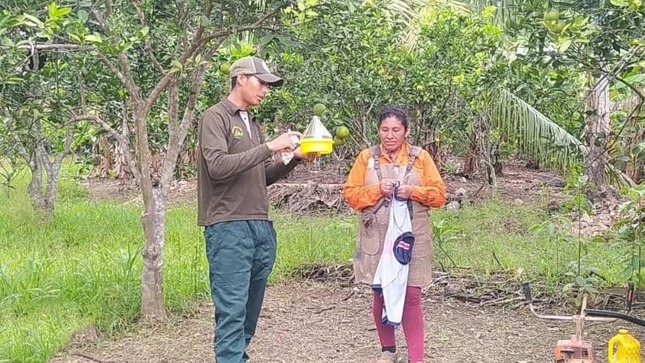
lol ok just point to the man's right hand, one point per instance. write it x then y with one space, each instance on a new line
284 142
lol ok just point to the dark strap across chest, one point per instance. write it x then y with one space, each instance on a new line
376 155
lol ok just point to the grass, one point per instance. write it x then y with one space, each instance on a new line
496 235
83 267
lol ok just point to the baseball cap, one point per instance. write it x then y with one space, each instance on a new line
257 67
403 248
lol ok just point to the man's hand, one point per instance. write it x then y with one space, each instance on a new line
284 142
386 187
298 154
404 192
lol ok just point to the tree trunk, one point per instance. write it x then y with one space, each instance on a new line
39 161
471 162
434 149
154 222
51 189
34 189
597 131
43 200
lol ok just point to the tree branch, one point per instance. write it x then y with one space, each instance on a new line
255 26
99 18
81 86
173 101
101 123
108 8
130 84
114 70
57 46
22 151
214 48
631 86
69 137
226 33
126 146
159 87
177 138
196 43
142 18
147 42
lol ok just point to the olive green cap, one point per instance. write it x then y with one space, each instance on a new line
256 67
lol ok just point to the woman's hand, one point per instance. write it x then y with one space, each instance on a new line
404 192
386 187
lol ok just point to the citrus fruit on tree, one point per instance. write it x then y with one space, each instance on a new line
224 67
558 26
342 132
319 109
552 15
338 141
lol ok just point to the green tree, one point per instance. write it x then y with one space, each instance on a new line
155 52
39 119
599 40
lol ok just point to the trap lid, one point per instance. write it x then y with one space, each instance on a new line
316 130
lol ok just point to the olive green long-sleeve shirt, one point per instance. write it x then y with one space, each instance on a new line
234 167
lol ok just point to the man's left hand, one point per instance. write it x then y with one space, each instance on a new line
298 154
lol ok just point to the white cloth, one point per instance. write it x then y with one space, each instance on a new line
245 118
391 277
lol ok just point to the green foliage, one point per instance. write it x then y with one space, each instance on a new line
631 231
349 55
585 276
83 267
444 233
556 232
311 239
39 101
551 54
338 61
460 50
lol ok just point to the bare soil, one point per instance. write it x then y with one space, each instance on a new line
329 320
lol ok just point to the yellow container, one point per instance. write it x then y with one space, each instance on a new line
624 348
317 145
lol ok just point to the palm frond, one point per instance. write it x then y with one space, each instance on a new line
406 9
541 138
414 12
537 135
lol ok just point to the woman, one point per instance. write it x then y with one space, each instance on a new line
395 169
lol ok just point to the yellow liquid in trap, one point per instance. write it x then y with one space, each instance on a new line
316 138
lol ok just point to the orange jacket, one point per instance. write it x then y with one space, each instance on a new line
431 193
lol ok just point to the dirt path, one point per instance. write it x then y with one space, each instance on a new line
326 322
317 322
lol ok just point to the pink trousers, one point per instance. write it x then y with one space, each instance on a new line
412 322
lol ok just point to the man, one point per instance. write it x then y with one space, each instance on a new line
234 170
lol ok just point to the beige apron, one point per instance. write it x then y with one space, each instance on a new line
372 228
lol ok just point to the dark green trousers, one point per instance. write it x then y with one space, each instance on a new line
240 255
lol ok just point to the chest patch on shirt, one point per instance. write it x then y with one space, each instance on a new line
237 132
